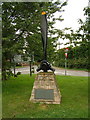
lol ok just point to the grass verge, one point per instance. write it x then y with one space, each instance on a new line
17 91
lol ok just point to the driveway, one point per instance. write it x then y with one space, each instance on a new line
58 71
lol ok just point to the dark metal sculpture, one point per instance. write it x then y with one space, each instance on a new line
45 66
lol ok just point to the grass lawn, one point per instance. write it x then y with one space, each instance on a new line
17 91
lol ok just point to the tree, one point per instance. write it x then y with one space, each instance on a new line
78 43
21 29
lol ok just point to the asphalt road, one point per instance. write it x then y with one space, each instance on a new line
58 71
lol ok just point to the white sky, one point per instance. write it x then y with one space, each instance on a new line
73 12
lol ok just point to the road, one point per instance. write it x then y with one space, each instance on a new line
58 71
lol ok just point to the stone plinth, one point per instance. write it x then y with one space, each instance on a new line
45 89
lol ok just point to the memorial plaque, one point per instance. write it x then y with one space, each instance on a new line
47 94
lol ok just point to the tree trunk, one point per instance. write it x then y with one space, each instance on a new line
4 74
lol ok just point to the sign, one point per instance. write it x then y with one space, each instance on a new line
66 55
44 94
66 52
66 49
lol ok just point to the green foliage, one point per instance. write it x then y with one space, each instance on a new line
16 94
77 57
21 29
79 52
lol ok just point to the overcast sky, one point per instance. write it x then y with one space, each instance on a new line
73 12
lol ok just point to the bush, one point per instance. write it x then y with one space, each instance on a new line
77 57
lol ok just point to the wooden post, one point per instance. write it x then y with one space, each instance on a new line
14 68
30 69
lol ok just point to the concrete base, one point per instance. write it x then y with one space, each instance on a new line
45 89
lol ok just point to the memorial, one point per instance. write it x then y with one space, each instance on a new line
45 88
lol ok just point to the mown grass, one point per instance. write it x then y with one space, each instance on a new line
17 91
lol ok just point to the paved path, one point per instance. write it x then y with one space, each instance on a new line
58 71
61 71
